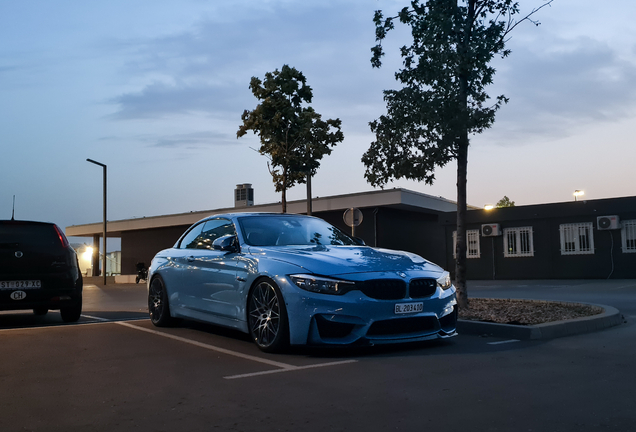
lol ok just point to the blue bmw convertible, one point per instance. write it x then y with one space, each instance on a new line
296 280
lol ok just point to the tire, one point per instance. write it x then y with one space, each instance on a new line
40 310
72 313
158 306
137 279
267 317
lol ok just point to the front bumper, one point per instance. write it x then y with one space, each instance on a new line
355 319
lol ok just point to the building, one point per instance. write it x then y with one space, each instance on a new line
395 218
593 239
572 240
85 260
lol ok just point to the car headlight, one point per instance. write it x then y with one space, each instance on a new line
320 284
444 281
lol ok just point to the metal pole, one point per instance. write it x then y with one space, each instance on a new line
309 209
104 256
104 223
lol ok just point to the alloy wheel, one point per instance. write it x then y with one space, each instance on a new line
155 300
265 315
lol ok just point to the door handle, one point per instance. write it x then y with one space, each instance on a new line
190 258
240 279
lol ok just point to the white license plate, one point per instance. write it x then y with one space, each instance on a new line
405 308
21 284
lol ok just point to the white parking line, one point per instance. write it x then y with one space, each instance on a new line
294 368
95 318
54 326
50 327
211 347
283 367
503 342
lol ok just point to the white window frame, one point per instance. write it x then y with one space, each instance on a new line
516 244
471 236
577 238
628 235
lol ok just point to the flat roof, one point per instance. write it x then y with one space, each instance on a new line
397 198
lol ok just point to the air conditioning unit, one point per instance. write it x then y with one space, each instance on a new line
608 223
490 230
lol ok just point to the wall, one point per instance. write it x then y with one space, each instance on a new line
415 232
607 261
430 234
142 245
397 229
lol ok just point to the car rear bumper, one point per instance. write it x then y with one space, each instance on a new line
31 298
51 304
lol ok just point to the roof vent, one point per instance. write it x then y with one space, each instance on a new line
243 195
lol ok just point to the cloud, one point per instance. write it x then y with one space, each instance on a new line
8 68
555 92
158 100
556 85
191 140
208 67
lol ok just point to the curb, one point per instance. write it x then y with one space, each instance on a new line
610 317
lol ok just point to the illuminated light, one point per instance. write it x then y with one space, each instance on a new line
61 236
88 253
489 207
578 193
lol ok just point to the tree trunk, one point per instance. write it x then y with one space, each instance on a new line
460 251
284 201
462 160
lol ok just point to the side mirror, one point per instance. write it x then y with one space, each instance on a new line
226 243
358 241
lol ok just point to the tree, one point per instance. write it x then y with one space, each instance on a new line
294 137
505 202
443 100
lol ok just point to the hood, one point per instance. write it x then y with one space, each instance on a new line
339 260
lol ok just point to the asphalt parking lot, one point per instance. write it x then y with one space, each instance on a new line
114 371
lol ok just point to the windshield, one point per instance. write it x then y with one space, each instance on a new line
290 230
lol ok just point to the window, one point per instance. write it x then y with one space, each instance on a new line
212 230
245 194
628 233
518 242
472 244
576 239
189 240
203 235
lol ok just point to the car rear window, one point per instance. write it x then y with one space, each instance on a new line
29 234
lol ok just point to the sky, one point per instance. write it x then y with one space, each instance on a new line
155 89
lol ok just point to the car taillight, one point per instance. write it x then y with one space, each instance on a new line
61 235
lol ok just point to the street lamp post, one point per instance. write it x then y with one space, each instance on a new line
309 209
104 227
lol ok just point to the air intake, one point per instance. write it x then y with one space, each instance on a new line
243 195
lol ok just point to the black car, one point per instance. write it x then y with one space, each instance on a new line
38 269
